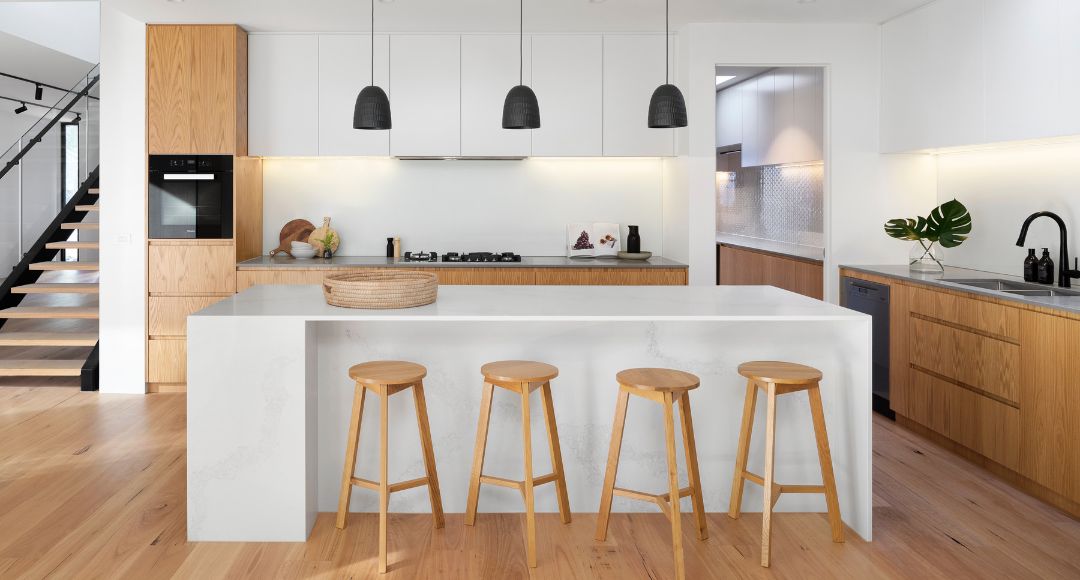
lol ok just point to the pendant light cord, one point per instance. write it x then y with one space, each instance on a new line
372 42
521 42
667 43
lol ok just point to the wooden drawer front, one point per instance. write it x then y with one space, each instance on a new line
167 361
168 314
978 314
247 278
976 422
196 268
749 268
978 361
610 277
510 276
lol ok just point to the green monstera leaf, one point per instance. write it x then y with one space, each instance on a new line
906 229
948 224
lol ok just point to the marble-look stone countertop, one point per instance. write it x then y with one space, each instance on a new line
942 280
285 261
812 253
546 303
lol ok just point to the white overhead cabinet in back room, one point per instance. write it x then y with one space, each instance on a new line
778 115
283 87
489 69
633 68
425 95
568 77
344 69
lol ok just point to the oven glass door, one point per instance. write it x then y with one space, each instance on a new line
189 206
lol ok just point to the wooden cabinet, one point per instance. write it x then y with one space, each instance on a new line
425 95
489 69
196 85
191 268
344 69
985 365
633 68
746 267
168 314
166 363
284 95
568 77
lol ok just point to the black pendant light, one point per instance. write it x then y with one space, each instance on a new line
667 108
372 110
520 110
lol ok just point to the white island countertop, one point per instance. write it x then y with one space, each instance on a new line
547 303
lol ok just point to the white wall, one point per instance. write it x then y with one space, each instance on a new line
520 206
123 184
857 199
1001 187
68 27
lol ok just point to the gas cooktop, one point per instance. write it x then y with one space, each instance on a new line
462 257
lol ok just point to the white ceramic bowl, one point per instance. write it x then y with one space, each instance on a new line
301 246
303 254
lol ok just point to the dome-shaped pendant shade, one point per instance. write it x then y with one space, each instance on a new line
667 108
372 110
521 111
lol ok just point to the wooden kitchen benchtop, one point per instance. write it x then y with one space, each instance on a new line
286 262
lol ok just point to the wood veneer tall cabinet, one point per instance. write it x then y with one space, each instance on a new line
196 89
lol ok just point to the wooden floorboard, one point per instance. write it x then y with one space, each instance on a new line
93 486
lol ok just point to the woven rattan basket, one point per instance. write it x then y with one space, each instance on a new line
380 289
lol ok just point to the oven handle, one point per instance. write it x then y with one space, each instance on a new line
188 177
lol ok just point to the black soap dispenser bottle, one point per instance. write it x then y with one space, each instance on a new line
1031 266
1046 268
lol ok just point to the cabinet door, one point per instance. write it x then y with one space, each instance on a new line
633 68
344 70
214 89
489 69
809 135
780 145
283 102
168 90
568 79
191 269
729 114
425 95
752 150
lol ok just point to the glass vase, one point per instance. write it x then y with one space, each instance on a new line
926 257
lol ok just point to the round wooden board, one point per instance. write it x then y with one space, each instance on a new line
294 231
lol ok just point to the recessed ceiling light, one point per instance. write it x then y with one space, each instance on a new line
805 1
721 79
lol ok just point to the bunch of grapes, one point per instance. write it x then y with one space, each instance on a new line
583 242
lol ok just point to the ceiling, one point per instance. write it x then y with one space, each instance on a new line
501 15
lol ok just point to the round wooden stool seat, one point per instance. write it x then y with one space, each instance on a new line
661 380
779 373
518 371
387 372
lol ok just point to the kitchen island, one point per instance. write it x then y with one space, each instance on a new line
269 396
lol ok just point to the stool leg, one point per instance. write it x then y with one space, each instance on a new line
770 444
556 452
478 454
429 454
673 478
825 458
350 455
384 485
612 465
530 509
692 471
743 451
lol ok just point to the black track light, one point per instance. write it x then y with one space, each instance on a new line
520 109
372 109
20 109
667 108
78 119
37 92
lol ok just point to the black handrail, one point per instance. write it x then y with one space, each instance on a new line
41 134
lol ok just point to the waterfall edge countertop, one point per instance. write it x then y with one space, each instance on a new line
269 396
285 262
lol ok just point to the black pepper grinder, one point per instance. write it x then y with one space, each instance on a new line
1046 268
1031 266
390 247
633 241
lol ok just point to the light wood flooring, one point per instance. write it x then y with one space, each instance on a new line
93 486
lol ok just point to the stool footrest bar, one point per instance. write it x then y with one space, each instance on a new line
393 487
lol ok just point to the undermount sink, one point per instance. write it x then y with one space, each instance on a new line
1012 287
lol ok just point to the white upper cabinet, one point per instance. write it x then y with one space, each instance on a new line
729 116
425 95
808 140
1069 72
489 69
633 68
283 116
781 113
344 70
568 73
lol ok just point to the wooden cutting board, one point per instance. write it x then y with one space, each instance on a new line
294 231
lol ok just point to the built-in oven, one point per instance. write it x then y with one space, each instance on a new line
191 196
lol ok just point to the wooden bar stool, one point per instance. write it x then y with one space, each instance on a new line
781 378
665 386
385 378
521 377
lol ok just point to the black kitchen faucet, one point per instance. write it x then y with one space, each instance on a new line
1064 273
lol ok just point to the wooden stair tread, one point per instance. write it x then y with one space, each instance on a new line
40 368
72 246
94 191
64 266
48 339
79 226
92 207
50 312
56 288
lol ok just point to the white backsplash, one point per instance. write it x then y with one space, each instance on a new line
521 206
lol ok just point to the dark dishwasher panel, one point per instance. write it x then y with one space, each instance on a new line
873 299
